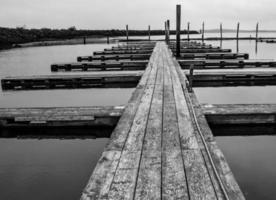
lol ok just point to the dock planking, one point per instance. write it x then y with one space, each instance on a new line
119 80
100 66
226 64
230 77
108 116
114 57
155 151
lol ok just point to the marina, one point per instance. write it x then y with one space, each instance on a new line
162 133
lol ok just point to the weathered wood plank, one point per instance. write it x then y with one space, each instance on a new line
198 180
187 136
149 177
100 183
174 184
124 182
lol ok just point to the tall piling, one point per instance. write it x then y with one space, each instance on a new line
188 31
149 32
168 30
178 26
203 31
257 31
220 28
238 30
127 33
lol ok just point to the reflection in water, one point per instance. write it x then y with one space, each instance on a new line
243 129
237 46
252 160
46 132
47 169
66 97
256 47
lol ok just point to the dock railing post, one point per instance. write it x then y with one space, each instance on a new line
178 24
166 34
203 31
188 29
220 27
191 78
257 31
238 30
127 33
149 32
220 31
168 30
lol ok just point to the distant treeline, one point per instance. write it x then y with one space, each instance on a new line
11 36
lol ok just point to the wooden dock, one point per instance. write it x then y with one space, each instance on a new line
104 80
108 116
162 146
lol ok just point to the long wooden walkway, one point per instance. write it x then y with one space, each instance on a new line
162 147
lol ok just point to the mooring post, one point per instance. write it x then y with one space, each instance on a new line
178 24
257 31
238 30
188 29
220 31
203 31
84 40
191 78
166 34
220 35
168 30
127 32
149 32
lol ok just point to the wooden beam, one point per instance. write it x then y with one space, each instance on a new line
71 81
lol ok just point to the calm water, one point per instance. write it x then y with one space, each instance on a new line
252 160
59 169
46 169
50 169
37 61
237 95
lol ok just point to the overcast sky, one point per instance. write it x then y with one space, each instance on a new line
107 14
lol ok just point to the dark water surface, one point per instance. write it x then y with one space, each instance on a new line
59 169
37 61
66 98
252 160
48 169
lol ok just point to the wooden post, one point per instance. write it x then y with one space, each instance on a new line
238 30
166 36
127 32
149 32
168 29
220 31
191 78
188 29
178 26
220 35
203 31
257 31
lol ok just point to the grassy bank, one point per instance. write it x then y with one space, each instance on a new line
16 37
